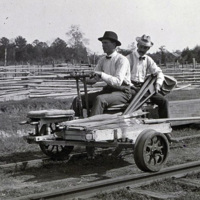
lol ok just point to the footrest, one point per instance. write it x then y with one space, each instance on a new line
50 113
118 107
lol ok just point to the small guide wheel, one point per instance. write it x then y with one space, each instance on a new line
56 152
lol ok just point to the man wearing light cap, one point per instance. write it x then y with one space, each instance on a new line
141 64
114 69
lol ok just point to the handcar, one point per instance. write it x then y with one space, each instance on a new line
57 132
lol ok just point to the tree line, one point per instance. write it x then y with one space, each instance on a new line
18 51
185 56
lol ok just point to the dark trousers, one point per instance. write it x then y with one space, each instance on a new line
160 101
163 105
99 101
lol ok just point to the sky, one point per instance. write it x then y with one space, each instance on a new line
174 24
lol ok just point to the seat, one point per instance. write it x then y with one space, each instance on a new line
146 107
52 113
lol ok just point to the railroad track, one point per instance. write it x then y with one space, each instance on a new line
39 162
130 181
86 191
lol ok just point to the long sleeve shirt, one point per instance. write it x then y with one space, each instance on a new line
141 67
115 70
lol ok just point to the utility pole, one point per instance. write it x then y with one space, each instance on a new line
94 59
5 63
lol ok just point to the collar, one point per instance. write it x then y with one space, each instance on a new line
138 55
112 55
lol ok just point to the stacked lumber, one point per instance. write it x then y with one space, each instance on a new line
38 86
43 81
15 89
106 121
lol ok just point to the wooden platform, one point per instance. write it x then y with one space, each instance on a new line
184 108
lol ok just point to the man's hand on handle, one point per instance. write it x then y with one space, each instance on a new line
96 74
157 87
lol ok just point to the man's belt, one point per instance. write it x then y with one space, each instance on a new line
137 84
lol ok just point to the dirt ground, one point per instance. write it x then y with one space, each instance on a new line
79 170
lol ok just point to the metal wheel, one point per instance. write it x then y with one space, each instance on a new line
56 152
151 150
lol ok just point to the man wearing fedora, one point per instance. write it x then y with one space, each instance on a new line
114 69
141 64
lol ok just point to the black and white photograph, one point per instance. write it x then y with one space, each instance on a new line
99 99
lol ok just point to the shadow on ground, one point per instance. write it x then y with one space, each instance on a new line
74 168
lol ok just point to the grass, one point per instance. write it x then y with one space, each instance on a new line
13 112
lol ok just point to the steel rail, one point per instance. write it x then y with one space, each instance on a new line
90 189
38 162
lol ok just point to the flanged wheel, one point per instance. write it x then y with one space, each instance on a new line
151 150
56 152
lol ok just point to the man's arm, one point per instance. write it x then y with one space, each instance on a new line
122 66
96 74
155 70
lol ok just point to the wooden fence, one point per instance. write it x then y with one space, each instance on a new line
22 82
184 73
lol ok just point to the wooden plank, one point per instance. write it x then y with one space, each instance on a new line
15 96
130 133
103 118
51 90
157 121
184 108
181 113
16 93
52 95
11 91
11 87
55 86
180 87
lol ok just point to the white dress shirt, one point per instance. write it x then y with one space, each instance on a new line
141 67
115 70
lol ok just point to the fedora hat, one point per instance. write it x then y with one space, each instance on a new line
109 35
145 40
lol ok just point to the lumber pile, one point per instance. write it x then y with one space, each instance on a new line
107 121
27 81
39 87
47 84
